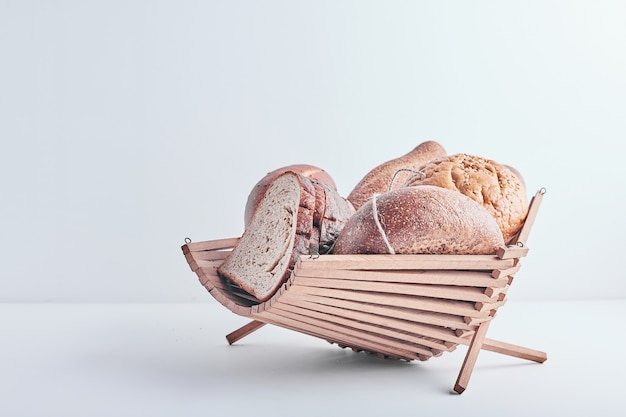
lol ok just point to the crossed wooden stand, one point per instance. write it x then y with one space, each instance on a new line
411 307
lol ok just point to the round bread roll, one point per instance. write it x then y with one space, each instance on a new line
491 184
259 189
394 173
420 220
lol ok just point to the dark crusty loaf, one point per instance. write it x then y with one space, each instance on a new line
420 220
293 218
394 173
495 186
257 192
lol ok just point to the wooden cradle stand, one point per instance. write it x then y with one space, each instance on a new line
411 307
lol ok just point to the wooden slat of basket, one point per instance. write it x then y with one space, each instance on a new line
477 321
496 292
335 335
475 294
513 350
441 277
480 306
205 265
208 255
509 252
470 358
533 209
441 335
460 308
373 336
226 300
243 331
241 300
409 314
211 280
502 273
210 245
368 331
395 262
441 338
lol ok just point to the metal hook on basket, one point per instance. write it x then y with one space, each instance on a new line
187 240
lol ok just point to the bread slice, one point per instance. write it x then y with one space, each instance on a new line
394 173
279 231
297 216
416 220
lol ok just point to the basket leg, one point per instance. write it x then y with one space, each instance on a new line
470 357
514 350
243 331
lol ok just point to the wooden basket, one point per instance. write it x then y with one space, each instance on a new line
411 307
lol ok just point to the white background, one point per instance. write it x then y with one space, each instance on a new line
127 126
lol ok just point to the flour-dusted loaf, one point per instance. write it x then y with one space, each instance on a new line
297 216
394 173
420 220
493 185
257 192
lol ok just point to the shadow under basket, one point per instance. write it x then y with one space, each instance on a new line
410 307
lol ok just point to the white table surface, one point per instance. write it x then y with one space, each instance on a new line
173 360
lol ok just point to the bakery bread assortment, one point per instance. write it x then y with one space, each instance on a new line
426 219
416 270
297 216
493 185
394 173
424 202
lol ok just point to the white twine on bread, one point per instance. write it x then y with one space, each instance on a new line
379 225
414 171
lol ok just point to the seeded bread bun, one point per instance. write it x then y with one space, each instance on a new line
394 173
420 220
257 192
491 184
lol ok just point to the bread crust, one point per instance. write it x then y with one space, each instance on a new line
491 184
259 189
420 220
394 173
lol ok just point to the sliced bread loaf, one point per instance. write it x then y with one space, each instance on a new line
296 216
